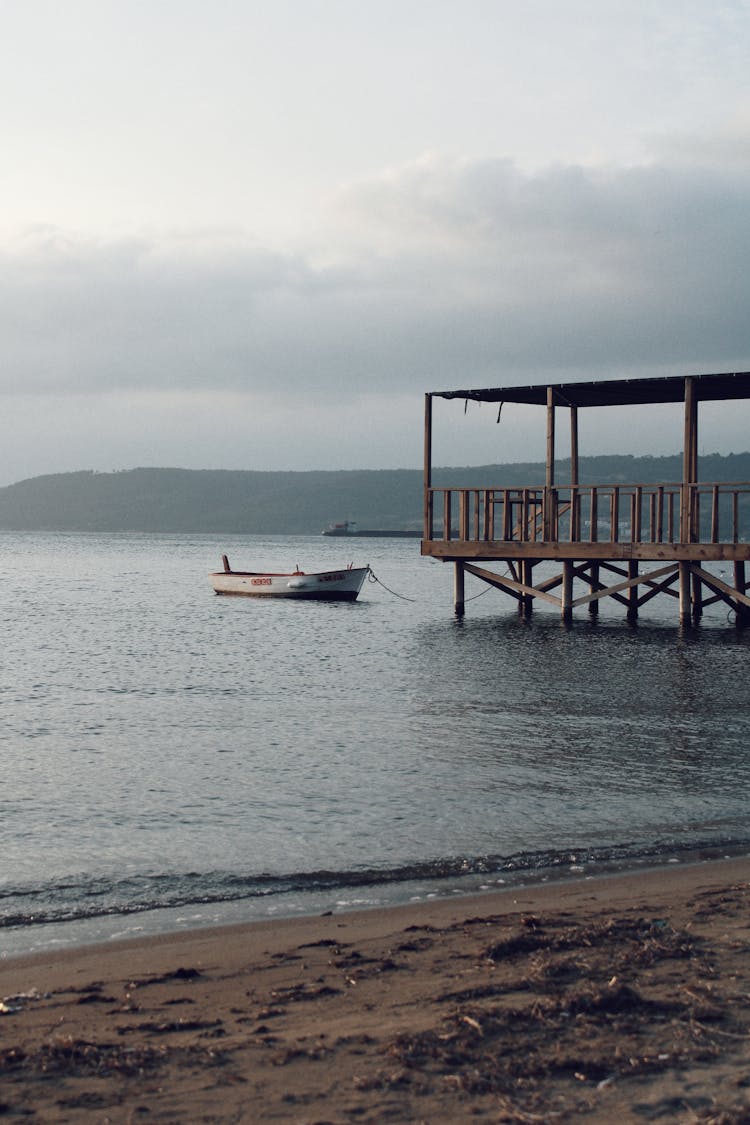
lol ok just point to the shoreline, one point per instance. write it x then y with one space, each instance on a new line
68 934
446 903
599 997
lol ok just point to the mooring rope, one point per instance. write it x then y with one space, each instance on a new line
481 594
486 590
372 577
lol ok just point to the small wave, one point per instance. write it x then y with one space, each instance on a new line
72 900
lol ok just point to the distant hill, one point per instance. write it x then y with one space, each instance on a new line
279 503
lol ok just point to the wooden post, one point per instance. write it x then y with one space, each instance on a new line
742 613
633 591
574 445
507 515
575 499
427 518
550 473
614 514
593 587
697 598
463 514
526 604
670 516
525 513
739 577
447 514
715 514
458 589
684 571
689 463
636 514
550 437
567 590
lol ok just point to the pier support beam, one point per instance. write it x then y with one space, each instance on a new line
684 569
526 603
697 599
633 591
458 589
740 582
567 590
517 581
742 612
593 587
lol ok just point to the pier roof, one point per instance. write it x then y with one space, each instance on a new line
616 392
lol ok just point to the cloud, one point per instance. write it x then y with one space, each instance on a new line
439 273
726 147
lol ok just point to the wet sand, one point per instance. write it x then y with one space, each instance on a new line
625 998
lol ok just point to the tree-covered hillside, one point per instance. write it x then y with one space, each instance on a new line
212 500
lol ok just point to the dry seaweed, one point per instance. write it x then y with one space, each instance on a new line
78 1057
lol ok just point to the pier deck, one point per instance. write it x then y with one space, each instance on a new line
628 542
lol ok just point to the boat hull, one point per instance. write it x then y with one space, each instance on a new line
328 585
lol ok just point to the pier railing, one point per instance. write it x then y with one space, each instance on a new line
626 513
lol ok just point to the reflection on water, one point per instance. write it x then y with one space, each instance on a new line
609 729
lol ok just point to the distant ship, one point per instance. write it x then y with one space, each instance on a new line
349 529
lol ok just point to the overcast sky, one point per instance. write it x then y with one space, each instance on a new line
251 234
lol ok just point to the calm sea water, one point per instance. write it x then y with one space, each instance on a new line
173 759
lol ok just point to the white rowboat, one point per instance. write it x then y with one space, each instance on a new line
325 585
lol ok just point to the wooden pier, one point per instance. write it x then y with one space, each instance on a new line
628 542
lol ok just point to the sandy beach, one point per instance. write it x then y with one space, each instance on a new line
620 998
